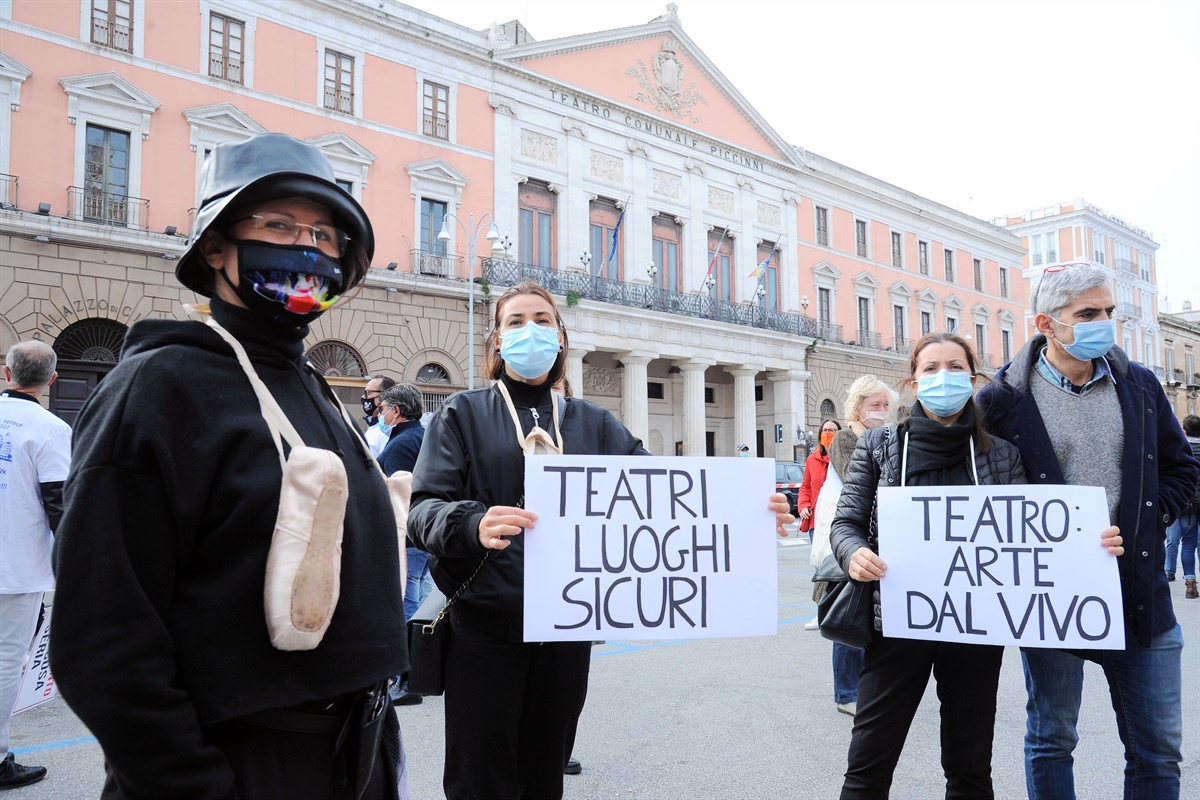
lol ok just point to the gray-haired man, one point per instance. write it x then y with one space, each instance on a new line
35 455
1082 413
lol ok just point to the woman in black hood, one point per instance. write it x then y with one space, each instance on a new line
170 547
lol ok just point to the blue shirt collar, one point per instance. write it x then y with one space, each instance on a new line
1100 371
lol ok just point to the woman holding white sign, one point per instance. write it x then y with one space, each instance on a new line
942 443
511 706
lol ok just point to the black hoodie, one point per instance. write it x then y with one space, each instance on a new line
159 627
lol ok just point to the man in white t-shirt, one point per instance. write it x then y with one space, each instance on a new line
35 455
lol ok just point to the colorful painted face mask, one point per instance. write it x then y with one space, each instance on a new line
286 283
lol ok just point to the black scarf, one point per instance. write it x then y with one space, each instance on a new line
939 455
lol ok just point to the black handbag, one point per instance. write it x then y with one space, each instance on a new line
846 612
427 639
846 609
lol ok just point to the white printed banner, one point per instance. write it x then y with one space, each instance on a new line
637 547
1003 565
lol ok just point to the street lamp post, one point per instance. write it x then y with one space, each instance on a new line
472 234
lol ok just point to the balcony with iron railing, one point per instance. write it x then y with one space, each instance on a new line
111 34
443 266
1049 258
1129 310
985 361
582 285
437 127
1125 265
227 68
339 101
8 191
1160 373
108 208
902 345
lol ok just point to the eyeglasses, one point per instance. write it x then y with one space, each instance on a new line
281 229
1050 270
366 395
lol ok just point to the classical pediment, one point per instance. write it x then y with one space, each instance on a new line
340 146
111 89
12 69
953 302
225 117
826 269
437 170
655 80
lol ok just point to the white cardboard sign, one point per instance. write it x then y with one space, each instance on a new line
1002 565
637 547
37 684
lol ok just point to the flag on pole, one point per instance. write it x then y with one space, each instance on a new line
761 269
716 252
612 246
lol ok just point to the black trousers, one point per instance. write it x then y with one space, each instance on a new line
893 680
511 712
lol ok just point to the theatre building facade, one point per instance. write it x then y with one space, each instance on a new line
719 284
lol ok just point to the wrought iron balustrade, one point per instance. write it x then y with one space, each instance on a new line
8 191
339 101
1126 265
111 34
229 69
504 272
437 127
436 264
108 208
870 339
902 345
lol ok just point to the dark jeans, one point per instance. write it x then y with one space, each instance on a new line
890 687
511 712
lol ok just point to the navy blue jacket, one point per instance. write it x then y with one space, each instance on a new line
1158 481
400 452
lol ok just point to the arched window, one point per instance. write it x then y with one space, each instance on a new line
828 410
433 373
91 340
335 359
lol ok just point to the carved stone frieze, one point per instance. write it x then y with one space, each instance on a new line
768 214
610 168
605 382
720 200
539 147
667 184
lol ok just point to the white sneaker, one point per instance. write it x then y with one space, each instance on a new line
848 708
811 625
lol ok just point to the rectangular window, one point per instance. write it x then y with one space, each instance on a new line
437 111
824 307
1004 282
709 395
897 250
654 390
347 185
923 257
1006 346
112 24
864 315
926 322
1098 247
667 235
768 281
980 339
433 212
948 256
226 38
106 175
536 233
606 254
898 328
860 237
339 82
720 256
823 226
758 393
977 267
1036 256
951 325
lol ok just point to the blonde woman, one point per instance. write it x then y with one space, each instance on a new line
869 405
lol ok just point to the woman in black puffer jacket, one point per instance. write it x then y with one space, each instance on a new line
941 435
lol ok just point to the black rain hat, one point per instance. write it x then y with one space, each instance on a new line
266 167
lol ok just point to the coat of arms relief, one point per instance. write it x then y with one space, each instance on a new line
662 87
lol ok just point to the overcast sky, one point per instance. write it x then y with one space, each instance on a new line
989 107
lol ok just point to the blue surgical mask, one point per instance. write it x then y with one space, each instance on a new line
945 393
530 350
1092 339
383 426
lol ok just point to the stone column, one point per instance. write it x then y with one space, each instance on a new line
693 407
575 370
789 391
634 404
744 418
